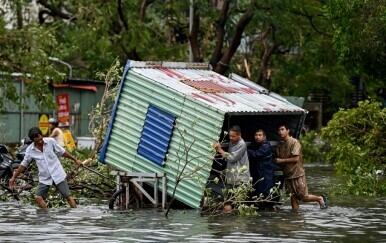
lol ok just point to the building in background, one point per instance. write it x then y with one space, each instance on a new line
82 96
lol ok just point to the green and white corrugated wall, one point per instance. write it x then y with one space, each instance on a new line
197 126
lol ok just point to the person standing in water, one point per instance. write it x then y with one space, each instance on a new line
289 157
45 152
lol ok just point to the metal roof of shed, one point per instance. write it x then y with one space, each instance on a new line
226 94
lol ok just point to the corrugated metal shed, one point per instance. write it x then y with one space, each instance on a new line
199 100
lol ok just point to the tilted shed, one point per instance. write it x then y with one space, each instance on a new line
168 114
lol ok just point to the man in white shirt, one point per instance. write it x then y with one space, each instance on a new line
45 151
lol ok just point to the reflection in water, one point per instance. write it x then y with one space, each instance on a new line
347 219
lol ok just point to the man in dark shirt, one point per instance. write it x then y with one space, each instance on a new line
261 167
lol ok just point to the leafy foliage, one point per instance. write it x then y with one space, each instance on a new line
359 35
313 147
238 196
357 142
101 113
284 45
24 55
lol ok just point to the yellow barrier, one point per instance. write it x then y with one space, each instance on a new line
68 140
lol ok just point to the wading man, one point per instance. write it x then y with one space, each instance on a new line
262 169
236 159
289 157
45 152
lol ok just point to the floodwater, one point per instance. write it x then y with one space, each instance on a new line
348 219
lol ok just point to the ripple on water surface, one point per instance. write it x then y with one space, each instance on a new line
347 219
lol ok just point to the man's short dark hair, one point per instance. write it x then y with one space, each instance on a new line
34 132
259 130
235 129
283 124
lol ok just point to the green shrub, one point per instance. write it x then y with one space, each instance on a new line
357 146
313 147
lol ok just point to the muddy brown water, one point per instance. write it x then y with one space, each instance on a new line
348 219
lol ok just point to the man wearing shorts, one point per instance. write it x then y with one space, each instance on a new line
289 156
45 152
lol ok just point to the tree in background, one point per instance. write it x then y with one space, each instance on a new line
285 45
24 53
359 36
265 41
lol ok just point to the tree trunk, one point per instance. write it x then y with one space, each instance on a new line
220 33
19 14
223 64
54 11
264 75
144 5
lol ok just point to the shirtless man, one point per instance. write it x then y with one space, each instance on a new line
56 133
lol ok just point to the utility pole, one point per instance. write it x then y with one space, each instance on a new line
190 29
